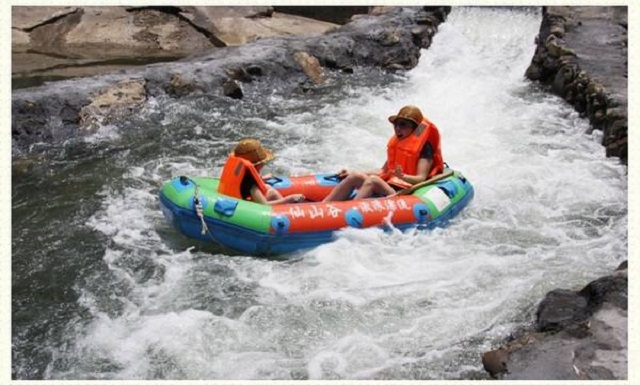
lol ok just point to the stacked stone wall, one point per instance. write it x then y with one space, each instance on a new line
592 93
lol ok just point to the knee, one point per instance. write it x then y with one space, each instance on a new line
356 179
373 180
273 194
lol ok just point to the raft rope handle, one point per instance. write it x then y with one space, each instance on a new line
199 212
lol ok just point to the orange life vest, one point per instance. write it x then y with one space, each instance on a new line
233 174
406 153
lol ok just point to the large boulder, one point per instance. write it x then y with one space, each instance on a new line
76 41
29 18
241 25
579 335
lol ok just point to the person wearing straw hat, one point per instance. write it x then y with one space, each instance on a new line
413 156
241 175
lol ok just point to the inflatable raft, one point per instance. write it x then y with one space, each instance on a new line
197 210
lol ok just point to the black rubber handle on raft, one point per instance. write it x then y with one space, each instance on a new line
334 178
270 181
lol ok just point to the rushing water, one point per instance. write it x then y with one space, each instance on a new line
104 288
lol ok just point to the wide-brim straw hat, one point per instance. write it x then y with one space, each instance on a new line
411 113
253 151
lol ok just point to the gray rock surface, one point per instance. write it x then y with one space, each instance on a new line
391 40
82 41
578 336
582 55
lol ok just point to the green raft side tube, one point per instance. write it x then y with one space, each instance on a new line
246 214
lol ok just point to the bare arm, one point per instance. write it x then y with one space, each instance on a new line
424 166
258 197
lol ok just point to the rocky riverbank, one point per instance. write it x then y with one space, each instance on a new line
389 38
578 335
581 56
52 43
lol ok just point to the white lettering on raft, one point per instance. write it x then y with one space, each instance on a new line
334 212
315 212
296 212
329 210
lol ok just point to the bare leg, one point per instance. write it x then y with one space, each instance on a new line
273 194
374 185
342 191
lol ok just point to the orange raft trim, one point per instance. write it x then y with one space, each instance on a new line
315 215
325 216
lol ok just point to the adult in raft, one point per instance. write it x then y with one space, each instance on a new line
241 175
413 156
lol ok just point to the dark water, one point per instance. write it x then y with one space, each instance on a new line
74 68
55 253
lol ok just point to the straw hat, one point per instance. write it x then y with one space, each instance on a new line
411 113
252 150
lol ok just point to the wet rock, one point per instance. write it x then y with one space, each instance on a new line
533 72
423 34
241 74
62 41
38 121
622 268
588 43
207 19
495 361
29 18
180 86
52 112
599 354
20 40
254 70
121 98
311 66
578 335
440 13
610 289
559 309
232 89
557 30
378 10
237 31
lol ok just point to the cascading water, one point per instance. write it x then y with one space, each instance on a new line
133 299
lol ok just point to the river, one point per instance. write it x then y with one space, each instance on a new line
103 287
